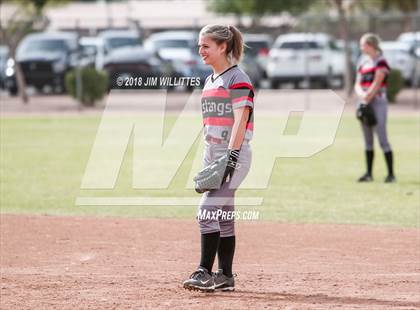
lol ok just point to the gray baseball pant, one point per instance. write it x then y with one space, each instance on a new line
380 108
223 199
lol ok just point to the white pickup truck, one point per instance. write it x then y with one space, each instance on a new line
306 57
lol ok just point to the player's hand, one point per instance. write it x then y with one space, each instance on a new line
232 164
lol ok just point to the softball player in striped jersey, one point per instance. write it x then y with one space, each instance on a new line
227 107
371 84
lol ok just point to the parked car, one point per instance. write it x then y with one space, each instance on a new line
355 54
297 57
400 55
258 46
253 70
45 58
413 38
93 51
4 56
180 47
410 37
354 50
114 39
126 65
7 65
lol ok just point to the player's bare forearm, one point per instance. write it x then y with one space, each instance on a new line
360 92
241 117
358 89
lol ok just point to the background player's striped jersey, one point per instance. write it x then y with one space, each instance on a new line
367 68
222 94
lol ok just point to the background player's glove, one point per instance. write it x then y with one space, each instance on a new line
215 174
365 114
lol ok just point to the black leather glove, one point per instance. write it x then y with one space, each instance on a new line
366 114
232 164
360 109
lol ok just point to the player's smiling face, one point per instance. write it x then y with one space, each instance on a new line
210 52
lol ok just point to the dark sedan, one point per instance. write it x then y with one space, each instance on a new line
135 68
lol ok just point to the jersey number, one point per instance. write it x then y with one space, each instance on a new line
224 134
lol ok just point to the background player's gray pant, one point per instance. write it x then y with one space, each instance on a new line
222 199
380 107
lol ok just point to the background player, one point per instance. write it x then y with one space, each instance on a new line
371 83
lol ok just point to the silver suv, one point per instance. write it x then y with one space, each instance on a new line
310 57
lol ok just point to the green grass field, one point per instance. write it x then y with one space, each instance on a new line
43 160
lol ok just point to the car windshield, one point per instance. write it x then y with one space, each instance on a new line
89 49
299 45
120 42
36 46
172 44
395 51
3 54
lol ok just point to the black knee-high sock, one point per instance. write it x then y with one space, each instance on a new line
389 162
225 254
369 162
209 245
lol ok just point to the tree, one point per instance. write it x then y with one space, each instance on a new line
258 8
26 17
404 6
348 81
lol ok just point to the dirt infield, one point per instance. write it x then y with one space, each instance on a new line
113 263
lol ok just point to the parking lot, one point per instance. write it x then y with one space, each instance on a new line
408 102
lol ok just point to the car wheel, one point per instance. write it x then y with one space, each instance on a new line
264 74
340 82
41 90
13 91
317 83
328 82
60 90
275 84
256 84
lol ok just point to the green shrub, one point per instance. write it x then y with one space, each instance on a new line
395 84
94 85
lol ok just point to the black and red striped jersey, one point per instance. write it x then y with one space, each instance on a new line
230 90
367 69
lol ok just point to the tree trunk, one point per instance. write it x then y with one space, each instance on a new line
407 22
20 79
348 81
21 84
255 22
238 17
